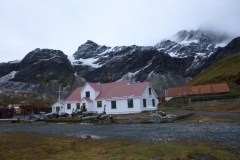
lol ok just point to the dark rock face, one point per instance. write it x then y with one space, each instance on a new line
134 63
88 50
6 68
220 53
43 65
41 70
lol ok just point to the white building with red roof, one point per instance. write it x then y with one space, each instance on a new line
113 98
73 101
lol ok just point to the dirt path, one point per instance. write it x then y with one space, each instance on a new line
207 113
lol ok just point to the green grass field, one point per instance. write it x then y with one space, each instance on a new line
18 146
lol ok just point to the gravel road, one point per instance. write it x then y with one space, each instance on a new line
226 133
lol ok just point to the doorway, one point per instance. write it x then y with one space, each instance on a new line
84 106
57 109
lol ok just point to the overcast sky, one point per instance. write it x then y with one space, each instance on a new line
66 24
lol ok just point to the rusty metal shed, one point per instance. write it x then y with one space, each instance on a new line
197 90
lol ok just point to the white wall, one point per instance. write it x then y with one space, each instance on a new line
73 106
88 105
149 98
86 88
55 105
99 109
122 106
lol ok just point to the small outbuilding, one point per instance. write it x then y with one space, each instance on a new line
196 90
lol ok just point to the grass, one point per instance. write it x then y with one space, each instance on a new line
230 105
20 146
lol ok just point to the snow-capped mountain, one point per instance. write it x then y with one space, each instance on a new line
169 63
198 44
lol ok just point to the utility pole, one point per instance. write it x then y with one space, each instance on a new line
59 92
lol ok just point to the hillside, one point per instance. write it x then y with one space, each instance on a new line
226 70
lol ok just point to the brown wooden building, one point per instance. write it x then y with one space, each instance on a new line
196 90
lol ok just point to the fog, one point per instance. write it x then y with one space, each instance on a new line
65 25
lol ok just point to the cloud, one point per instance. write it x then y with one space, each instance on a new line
64 25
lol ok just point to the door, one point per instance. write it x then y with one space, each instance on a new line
84 107
57 109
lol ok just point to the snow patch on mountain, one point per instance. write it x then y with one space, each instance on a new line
198 60
15 61
105 52
8 76
129 76
90 62
150 75
223 44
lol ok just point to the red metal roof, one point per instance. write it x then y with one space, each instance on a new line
95 86
106 88
120 89
124 91
197 90
75 96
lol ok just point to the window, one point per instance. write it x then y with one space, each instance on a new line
144 103
61 107
68 106
88 94
78 105
114 106
153 102
57 108
99 104
53 107
150 91
130 103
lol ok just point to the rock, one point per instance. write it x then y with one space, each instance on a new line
163 114
104 116
168 116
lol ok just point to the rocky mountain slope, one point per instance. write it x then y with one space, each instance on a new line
169 63
41 71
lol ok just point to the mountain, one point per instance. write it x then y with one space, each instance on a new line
169 63
41 71
221 52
